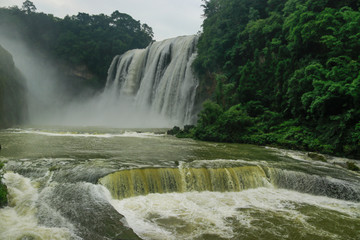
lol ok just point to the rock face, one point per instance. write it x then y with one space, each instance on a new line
13 107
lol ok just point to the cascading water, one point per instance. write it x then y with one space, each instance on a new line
185 178
157 81
96 183
130 183
146 88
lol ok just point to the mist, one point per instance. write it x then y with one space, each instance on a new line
52 102
45 92
103 110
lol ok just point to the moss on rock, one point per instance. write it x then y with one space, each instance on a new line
3 188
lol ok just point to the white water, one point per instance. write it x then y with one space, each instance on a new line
92 135
148 88
152 87
157 80
19 220
55 192
191 215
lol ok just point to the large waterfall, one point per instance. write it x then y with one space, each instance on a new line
146 88
157 81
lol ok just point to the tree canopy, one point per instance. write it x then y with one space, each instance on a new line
80 40
28 7
291 68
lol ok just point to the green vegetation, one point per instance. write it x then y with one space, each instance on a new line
77 42
186 132
284 72
3 189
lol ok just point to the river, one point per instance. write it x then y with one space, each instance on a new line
104 183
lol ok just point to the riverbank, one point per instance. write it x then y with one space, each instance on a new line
291 138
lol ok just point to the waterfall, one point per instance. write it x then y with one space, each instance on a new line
129 183
146 88
314 184
157 81
135 182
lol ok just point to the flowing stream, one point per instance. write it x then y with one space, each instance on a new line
109 183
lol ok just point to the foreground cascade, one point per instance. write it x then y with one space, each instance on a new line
135 182
157 80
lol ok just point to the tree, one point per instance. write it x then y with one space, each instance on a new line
281 72
83 40
28 7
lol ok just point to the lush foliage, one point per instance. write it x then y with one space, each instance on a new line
82 40
3 189
286 72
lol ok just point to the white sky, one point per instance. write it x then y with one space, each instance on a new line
168 18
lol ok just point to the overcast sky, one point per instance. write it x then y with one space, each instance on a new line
168 18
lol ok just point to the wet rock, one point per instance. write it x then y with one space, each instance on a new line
316 156
352 166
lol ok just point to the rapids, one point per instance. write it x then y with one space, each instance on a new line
108 183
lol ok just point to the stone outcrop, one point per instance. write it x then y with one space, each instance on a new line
13 107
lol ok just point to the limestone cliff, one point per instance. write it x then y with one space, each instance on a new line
13 108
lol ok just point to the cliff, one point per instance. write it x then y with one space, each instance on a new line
13 107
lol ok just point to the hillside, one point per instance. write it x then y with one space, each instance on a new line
81 46
281 72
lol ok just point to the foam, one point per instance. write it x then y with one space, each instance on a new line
93 135
193 214
18 220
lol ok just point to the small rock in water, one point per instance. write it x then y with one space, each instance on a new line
352 166
316 156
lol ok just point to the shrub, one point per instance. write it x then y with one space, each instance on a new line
3 188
